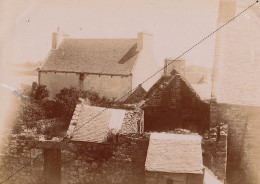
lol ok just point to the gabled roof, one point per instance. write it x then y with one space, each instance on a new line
99 56
93 124
169 92
174 153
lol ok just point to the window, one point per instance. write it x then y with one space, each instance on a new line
169 181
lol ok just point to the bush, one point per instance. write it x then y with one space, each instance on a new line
67 100
38 92
29 111
37 107
27 114
55 128
51 108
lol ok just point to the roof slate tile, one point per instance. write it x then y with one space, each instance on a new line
98 56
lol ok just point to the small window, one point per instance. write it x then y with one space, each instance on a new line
169 181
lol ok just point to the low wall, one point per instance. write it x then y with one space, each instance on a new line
17 151
120 161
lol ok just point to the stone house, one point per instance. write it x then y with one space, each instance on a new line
174 159
109 67
172 103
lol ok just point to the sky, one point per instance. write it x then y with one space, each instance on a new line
176 25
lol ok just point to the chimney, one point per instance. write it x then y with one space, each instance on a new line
57 38
144 41
178 65
227 10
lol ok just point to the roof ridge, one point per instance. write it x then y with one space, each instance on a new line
93 55
100 38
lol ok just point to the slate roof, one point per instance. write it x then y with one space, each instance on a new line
93 124
166 92
99 56
174 153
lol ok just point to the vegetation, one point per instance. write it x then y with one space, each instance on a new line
51 116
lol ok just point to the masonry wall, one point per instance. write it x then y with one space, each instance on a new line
56 81
161 178
243 146
120 161
17 151
173 104
145 67
214 143
105 85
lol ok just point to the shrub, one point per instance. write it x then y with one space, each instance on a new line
68 98
51 108
30 111
55 128
26 114
66 102
38 92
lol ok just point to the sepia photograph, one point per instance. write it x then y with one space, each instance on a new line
129 92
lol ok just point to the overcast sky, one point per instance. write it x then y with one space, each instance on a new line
176 25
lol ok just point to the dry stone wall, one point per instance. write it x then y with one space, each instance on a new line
18 151
120 161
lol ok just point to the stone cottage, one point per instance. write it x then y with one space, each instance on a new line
109 67
174 159
172 103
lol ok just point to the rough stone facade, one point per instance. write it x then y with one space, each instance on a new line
243 140
172 103
163 178
215 143
105 85
16 152
120 161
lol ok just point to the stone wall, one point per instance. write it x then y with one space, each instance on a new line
215 143
161 178
56 81
120 161
16 152
105 85
243 140
172 103
145 67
